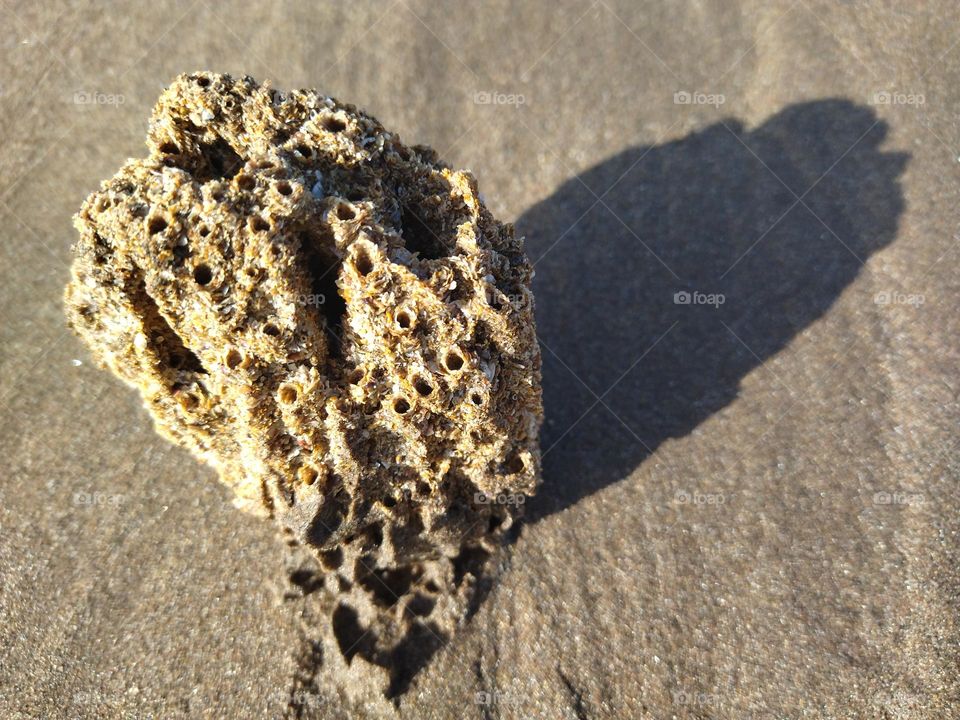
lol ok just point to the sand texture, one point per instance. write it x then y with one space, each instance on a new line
741 219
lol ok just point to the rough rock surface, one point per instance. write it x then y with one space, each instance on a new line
335 322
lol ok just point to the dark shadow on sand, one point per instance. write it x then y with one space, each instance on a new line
712 213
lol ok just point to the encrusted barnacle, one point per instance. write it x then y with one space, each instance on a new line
305 303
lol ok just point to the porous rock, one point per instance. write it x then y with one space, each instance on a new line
335 322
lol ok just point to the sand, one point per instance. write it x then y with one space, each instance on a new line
742 219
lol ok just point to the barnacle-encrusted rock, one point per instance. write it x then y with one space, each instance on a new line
335 322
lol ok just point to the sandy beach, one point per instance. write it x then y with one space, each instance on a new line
741 222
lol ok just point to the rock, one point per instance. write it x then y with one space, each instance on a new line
336 323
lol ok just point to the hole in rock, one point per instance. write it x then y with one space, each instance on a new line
404 320
333 124
189 401
156 224
453 361
217 161
259 224
202 274
307 475
323 269
288 394
514 465
331 559
363 262
162 339
372 537
418 236
233 359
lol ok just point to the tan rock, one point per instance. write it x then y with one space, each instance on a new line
336 323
